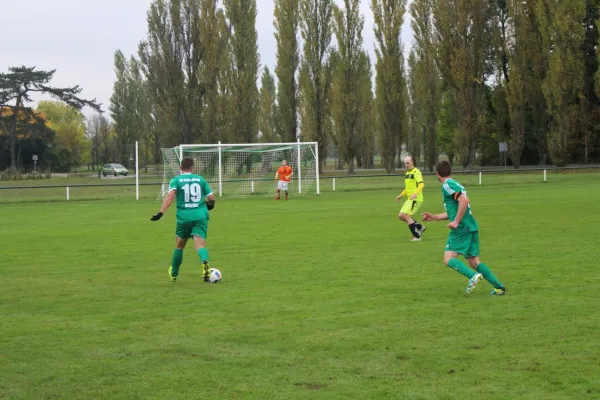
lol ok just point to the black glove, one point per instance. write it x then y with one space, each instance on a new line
210 204
156 216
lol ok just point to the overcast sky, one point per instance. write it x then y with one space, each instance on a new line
78 38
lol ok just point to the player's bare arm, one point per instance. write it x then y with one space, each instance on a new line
168 200
463 204
165 205
434 217
401 195
210 201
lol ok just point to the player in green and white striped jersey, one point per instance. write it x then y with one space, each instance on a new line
464 232
194 198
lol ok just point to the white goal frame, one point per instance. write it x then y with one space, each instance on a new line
228 146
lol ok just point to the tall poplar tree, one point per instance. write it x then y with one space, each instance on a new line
349 67
268 108
390 103
243 48
315 72
427 87
287 20
464 54
171 56
563 34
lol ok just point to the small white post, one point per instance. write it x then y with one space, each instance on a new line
220 173
544 175
299 169
334 184
251 186
317 167
137 173
480 177
67 193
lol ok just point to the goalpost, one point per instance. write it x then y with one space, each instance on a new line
245 169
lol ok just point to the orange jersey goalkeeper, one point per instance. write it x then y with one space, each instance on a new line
284 175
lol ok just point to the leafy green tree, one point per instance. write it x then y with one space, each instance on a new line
70 141
243 48
350 66
516 86
390 102
447 125
171 57
590 101
365 155
416 107
142 118
34 137
225 112
562 34
122 108
315 72
16 88
287 20
426 88
268 108
215 40
464 56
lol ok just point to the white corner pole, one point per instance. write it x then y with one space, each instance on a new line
220 172
480 177
317 167
544 175
137 172
299 169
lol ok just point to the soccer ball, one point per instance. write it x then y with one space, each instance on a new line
215 276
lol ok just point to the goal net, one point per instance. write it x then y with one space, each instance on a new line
239 170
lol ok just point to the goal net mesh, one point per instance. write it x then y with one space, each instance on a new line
245 169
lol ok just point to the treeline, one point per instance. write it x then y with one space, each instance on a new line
479 73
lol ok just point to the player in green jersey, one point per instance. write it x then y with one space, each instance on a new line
464 232
194 198
413 190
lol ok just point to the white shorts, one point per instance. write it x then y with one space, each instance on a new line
282 185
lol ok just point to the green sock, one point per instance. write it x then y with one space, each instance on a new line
176 261
461 268
203 253
488 275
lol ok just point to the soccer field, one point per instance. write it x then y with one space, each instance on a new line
322 298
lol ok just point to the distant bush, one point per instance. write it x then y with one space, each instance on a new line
9 175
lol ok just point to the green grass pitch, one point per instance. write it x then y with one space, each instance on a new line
322 298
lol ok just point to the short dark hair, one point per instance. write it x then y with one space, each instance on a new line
444 169
187 164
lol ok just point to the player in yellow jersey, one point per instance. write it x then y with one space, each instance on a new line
413 190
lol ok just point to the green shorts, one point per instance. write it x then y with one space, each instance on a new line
185 230
463 242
